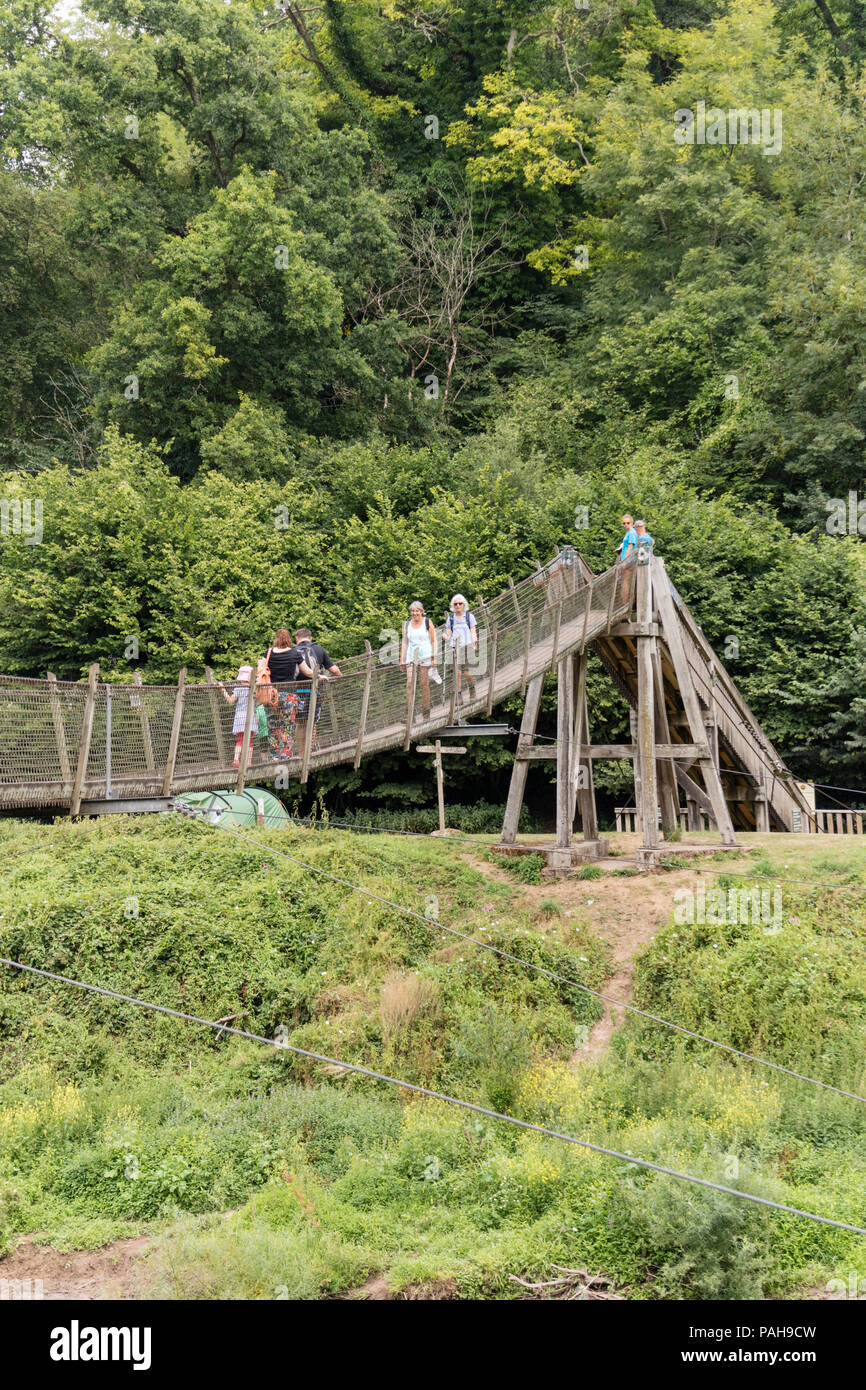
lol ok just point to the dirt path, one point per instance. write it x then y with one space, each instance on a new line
626 912
117 1271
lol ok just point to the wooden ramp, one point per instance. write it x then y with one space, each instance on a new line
91 746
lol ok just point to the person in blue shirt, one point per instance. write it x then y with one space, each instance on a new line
629 540
643 534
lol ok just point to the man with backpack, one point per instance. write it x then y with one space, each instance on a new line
461 630
312 655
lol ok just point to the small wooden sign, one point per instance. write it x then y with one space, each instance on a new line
437 750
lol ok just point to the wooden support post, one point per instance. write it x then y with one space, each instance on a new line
673 637
438 750
491 668
84 741
762 808
669 797
646 713
586 613
613 593
59 731
557 623
174 740
635 762
150 761
513 592
583 787
440 785
693 814
564 723
311 719
214 702
365 704
519 771
410 701
526 646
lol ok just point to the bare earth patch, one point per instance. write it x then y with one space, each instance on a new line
626 912
117 1271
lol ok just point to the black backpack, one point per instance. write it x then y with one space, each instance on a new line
467 615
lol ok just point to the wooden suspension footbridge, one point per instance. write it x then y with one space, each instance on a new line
94 747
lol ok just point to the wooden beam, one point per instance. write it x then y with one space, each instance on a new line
513 592
149 759
669 799
526 646
632 724
613 595
520 769
606 750
677 752
243 760
557 622
365 705
174 740
84 741
673 637
634 630
440 785
213 699
59 731
491 668
311 719
438 750
564 721
646 712
694 793
582 798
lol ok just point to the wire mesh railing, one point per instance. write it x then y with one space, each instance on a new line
64 740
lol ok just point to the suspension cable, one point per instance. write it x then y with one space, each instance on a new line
439 1095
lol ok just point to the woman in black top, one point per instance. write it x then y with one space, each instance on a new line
282 660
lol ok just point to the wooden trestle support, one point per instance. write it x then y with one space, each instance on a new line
660 764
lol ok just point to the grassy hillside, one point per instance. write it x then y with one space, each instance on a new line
115 1121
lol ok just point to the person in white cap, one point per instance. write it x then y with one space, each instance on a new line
239 697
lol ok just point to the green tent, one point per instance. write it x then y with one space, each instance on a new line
229 808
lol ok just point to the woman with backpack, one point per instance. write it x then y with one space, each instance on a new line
462 632
279 665
419 639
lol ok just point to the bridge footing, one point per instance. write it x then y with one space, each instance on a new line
557 857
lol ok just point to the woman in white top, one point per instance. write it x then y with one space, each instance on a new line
419 635
462 629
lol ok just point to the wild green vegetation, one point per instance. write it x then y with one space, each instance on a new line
306 311
115 1120
310 311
